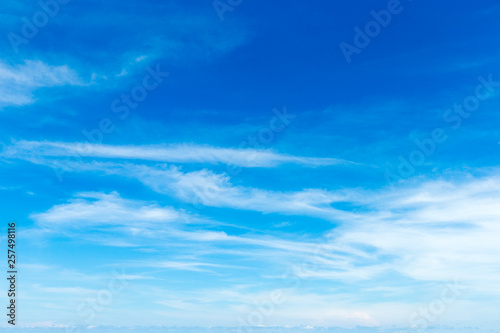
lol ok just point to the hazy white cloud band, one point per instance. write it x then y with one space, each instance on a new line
181 153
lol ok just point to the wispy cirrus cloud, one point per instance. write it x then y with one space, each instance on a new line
193 266
208 188
434 230
19 82
400 232
438 230
425 231
180 153
146 221
96 209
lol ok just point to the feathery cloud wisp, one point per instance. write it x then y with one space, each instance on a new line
18 83
182 153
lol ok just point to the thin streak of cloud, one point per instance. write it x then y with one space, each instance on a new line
182 153
19 82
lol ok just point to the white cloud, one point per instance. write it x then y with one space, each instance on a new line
184 153
437 231
67 290
179 265
434 231
98 209
18 82
145 221
207 188
45 324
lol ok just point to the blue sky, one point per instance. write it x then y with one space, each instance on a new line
227 163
